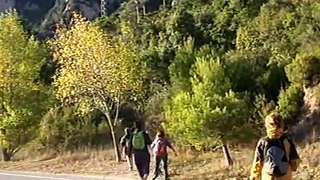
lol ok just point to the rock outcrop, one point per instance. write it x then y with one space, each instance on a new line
7 4
51 11
308 128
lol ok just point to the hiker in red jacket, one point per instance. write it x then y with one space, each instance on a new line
159 147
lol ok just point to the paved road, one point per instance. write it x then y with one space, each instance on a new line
17 175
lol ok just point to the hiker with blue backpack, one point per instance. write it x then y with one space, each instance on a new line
159 147
276 156
140 143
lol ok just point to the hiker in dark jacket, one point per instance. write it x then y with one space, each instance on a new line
276 156
125 144
159 147
140 143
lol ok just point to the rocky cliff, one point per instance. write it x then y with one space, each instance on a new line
308 128
32 11
40 15
48 12
61 9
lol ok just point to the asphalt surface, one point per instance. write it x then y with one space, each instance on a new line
17 175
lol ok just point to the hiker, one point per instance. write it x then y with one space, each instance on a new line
140 143
125 144
275 156
159 147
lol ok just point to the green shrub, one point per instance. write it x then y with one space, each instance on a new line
290 102
64 129
304 68
211 113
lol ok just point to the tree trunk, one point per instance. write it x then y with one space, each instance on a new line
226 154
138 14
116 146
144 10
114 141
5 155
96 131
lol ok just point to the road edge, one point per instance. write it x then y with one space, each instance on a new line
113 177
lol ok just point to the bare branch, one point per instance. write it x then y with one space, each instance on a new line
117 110
14 151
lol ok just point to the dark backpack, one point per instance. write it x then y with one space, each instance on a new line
276 163
160 147
127 141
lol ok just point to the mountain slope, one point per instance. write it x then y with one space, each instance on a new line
33 11
49 12
42 15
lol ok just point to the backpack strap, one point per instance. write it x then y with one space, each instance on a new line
282 139
265 144
290 144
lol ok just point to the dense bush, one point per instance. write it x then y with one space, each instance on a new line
64 129
210 113
290 102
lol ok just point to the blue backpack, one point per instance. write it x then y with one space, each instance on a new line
276 162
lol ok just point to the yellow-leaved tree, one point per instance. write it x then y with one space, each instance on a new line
96 71
22 97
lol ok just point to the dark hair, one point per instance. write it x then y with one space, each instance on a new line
160 133
132 129
139 126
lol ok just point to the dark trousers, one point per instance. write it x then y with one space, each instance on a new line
142 162
165 167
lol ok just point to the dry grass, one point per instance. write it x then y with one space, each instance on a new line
87 162
185 166
211 165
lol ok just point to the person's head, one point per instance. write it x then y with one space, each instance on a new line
160 133
274 121
132 129
139 126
